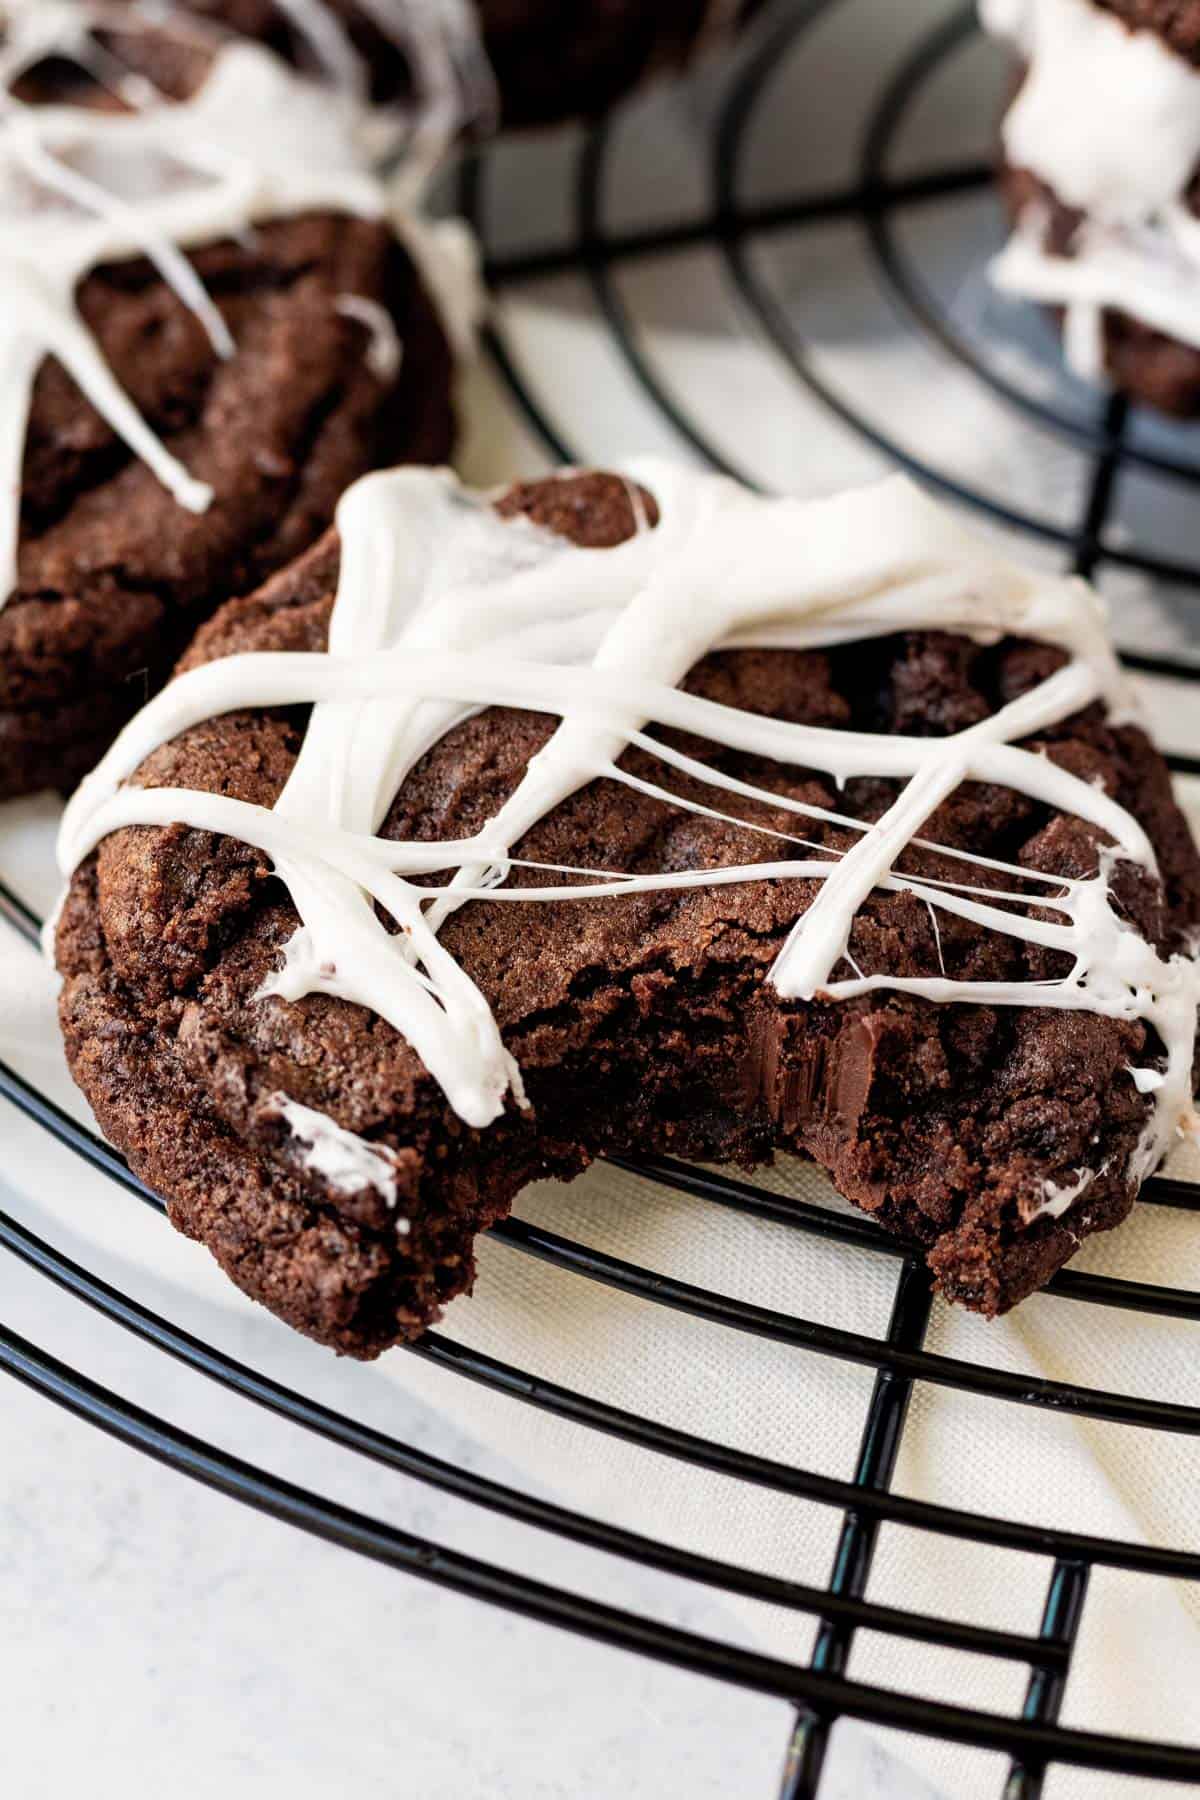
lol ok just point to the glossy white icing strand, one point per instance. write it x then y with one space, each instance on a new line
1109 119
453 85
343 1160
329 42
1147 274
81 187
443 609
1059 1197
453 77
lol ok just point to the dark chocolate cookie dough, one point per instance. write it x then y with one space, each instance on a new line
640 1022
1146 364
1150 366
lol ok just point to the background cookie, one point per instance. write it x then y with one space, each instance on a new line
309 1145
336 361
550 61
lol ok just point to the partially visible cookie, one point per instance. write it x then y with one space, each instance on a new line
1176 22
551 61
336 362
1101 178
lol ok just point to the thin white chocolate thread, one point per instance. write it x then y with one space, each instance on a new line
444 609
1059 1197
330 44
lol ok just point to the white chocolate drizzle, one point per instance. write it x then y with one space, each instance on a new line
443 609
1109 119
1059 1197
385 352
345 1162
79 187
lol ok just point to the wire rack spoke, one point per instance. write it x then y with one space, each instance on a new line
878 1449
73 1136
862 1233
470 201
1172 669
15 912
589 192
1060 1626
749 220
384 1543
845 1496
391 1452
1167 1190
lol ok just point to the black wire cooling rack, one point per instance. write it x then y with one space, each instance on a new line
820 1691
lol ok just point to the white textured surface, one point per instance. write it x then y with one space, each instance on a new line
156 1637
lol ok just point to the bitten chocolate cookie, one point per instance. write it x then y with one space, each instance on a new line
1101 178
210 327
465 851
549 61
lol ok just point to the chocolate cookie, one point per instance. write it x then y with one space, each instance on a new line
265 373
887 886
1102 181
1150 366
550 61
